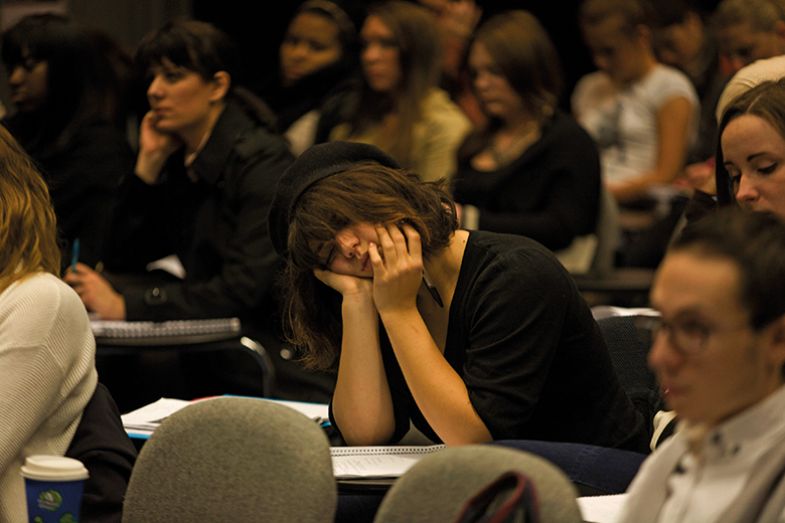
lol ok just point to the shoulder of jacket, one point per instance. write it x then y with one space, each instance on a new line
259 141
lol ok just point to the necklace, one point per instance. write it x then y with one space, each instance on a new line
433 292
503 151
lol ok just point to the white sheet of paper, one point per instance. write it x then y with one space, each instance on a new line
601 509
145 420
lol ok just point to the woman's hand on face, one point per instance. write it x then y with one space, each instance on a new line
155 147
346 285
397 267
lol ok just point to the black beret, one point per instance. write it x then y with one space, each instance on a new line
316 163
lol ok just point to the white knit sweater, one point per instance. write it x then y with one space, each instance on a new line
47 376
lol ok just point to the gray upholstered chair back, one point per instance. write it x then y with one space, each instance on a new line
437 486
233 459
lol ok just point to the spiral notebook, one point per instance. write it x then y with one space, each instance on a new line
377 461
173 332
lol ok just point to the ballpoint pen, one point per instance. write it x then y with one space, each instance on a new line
74 254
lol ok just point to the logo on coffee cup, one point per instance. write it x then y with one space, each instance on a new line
50 500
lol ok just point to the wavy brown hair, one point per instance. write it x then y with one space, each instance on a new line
368 193
28 228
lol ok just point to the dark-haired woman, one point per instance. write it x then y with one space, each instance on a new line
66 97
470 336
203 179
318 71
533 170
205 175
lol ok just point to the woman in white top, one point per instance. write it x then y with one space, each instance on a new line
642 114
47 350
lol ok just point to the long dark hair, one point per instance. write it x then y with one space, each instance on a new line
367 193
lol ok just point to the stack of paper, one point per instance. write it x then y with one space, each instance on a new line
142 422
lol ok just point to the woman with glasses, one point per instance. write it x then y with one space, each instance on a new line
751 156
719 357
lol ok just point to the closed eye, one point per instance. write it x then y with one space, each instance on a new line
767 169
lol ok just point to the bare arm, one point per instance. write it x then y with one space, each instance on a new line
439 391
362 405
673 124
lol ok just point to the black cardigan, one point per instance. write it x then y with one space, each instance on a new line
550 193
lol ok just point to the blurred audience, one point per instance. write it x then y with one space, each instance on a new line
401 109
684 39
748 30
643 116
318 71
457 21
513 175
68 98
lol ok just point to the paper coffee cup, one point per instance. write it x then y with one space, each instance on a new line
53 486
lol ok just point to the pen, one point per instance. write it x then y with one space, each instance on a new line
323 422
74 254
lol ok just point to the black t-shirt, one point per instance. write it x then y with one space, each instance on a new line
532 357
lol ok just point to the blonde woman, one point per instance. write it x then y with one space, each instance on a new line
47 351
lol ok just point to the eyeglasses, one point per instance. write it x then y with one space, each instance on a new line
689 337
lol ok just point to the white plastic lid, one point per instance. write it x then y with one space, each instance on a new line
53 468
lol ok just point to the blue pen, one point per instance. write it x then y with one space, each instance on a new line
74 254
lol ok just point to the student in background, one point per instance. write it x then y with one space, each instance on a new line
514 176
751 157
749 30
684 39
643 116
457 21
318 71
470 336
400 109
719 356
205 174
47 350
67 98
707 198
